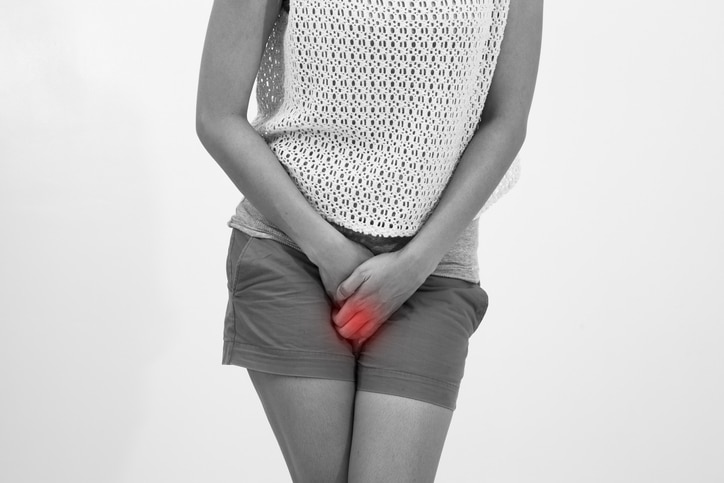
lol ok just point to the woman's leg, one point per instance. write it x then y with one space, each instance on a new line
396 439
408 378
312 421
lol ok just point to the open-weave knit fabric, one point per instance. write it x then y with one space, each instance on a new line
369 104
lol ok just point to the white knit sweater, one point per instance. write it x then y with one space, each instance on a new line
369 104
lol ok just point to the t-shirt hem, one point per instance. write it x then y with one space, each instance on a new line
261 231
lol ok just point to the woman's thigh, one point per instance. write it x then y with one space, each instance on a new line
312 421
396 439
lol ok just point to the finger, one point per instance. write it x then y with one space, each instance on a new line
359 338
351 329
349 285
348 309
367 331
360 342
359 305
357 344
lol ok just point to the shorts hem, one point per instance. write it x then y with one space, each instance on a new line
407 385
289 362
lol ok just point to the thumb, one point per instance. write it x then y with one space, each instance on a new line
349 285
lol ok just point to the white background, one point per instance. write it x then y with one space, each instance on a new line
600 357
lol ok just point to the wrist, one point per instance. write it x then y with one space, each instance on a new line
415 256
327 240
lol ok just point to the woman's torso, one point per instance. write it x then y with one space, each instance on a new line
369 105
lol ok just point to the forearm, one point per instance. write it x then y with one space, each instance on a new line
255 170
482 166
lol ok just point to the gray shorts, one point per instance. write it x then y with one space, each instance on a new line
278 320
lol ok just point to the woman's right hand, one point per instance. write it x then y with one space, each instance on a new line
337 264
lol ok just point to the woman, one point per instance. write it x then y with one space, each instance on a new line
381 136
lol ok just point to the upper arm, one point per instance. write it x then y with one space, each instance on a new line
511 90
235 41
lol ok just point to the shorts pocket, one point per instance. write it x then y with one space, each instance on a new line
238 245
481 307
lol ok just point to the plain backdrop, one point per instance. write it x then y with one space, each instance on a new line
600 357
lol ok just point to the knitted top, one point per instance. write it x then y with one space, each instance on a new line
369 105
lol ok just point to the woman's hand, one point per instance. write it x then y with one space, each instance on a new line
373 292
337 263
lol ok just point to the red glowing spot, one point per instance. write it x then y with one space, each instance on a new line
362 322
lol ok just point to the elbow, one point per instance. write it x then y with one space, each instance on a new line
517 129
511 124
208 128
201 123
517 126
208 123
521 132
200 130
513 128
203 129
216 130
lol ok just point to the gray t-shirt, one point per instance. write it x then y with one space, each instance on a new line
461 261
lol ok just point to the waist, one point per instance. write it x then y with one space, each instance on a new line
376 244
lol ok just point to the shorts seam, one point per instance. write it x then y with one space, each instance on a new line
236 281
451 406
302 353
291 362
238 260
404 373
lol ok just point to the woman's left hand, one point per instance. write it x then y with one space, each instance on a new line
373 292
